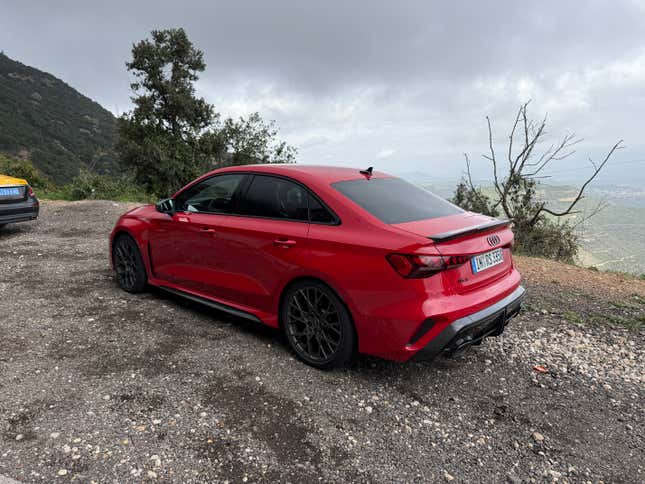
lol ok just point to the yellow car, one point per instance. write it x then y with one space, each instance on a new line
18 203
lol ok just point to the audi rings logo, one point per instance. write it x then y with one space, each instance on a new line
493 240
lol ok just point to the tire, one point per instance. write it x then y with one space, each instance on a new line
128 265
317 325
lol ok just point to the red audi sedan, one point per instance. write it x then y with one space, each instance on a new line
342 260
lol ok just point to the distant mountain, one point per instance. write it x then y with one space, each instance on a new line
58 128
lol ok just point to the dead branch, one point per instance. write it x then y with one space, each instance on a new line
578 197
602 204
470 182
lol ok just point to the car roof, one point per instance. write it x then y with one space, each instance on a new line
322 173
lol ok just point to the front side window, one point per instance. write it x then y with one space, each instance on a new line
274 197
394 201
217 194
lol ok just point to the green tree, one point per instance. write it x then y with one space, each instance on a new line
251 140
160 139
172 135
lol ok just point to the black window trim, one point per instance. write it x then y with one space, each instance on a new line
244 186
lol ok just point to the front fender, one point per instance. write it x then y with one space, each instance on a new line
139 230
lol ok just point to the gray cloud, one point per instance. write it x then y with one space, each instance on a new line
405 85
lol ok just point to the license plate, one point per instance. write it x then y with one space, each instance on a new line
485 261
10 192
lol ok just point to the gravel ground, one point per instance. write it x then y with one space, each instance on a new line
99 385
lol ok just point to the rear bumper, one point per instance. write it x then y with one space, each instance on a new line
19 211
473 328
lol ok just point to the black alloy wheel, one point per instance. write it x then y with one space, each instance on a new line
128 265
317 325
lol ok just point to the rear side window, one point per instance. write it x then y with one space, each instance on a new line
318 213
273 197
393 200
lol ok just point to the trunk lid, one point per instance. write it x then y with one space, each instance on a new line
466 235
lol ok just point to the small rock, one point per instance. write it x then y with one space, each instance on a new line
62 472
448 477
152 474
369 409
538 437
19 437
54 435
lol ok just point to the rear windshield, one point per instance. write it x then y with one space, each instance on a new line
394 201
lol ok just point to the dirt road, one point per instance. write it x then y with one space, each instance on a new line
97 384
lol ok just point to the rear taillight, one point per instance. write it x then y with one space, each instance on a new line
30 191
419 266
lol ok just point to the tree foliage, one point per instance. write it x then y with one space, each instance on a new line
172 136
539 228
251 140
21 168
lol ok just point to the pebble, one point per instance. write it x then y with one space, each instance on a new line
62 472
538 437
20 437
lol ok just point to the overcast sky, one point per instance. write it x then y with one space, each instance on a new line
401 85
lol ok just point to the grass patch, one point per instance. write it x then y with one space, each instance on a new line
91 186
573 318
623 305
638 299
636 323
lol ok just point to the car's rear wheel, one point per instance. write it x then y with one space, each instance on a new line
318 326
128 264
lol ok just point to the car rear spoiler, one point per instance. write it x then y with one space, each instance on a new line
453 234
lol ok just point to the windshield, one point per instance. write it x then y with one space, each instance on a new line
394 201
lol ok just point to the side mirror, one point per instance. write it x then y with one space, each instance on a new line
166 206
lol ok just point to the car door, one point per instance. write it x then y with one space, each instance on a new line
264 244
184 247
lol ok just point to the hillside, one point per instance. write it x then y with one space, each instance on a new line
51 123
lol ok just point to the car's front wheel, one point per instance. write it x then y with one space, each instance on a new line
128 264
318 326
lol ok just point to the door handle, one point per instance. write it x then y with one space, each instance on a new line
206 232
284 243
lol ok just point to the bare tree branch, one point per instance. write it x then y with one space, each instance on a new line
578 197
472 187
555 153
492 158
602 204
